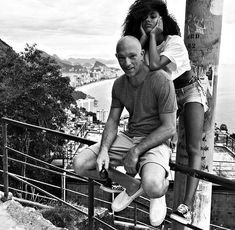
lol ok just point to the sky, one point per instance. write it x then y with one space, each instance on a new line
86 28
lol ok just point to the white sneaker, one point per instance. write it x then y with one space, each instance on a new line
122 200
157 211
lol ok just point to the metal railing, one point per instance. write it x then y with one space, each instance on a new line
225 139
60 171
55 169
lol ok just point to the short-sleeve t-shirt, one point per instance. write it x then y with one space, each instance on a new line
174 49
155 96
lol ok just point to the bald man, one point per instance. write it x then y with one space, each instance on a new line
143 148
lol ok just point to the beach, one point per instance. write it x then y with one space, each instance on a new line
225 103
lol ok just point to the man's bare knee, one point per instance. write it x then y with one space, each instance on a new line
83 162
154 188
78 166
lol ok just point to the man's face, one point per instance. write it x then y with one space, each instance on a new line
130 57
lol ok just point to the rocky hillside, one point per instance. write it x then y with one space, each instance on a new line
13 216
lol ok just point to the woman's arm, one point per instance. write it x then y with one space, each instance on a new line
156 61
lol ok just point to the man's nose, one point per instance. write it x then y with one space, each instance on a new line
127 61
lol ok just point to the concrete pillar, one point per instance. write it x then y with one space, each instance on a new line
203 23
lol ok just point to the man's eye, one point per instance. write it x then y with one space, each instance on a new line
121 59
133 56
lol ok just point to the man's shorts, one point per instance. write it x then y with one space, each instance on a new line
158 155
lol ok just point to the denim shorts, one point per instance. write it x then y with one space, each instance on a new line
158 155
194 92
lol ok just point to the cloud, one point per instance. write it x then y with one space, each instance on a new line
77 28
72 24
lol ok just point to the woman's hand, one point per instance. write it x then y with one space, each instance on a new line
158 28
144 36
142 30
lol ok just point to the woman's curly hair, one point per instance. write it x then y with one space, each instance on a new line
140 9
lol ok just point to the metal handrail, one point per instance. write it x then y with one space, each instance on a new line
5 157
195 173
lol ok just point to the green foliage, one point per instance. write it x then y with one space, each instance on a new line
32 90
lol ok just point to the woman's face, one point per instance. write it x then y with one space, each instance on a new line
150 21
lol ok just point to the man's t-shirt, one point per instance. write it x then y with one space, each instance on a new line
155 96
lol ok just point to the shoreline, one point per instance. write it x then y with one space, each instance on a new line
90 83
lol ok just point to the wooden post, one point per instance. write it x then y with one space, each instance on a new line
203 23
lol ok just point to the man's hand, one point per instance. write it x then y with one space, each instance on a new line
130 160
103 159
158 28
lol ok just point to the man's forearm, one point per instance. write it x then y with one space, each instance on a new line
157 137
108 136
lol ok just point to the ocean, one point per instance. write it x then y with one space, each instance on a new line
225 104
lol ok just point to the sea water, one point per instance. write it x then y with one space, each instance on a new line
225 103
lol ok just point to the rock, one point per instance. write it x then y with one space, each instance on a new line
14 216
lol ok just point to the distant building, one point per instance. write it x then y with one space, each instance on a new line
102 115
89 104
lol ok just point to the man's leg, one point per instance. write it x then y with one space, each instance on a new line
84 164
155 185
154 182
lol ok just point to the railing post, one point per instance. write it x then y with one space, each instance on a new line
226 138
135 215
232 145
5 160
90 204
63 186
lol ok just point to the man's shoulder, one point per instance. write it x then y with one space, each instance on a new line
159 77
120 80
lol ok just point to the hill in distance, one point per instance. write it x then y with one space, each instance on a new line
74 64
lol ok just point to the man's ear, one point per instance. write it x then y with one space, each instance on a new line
142 52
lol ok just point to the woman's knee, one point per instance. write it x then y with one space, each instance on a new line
193 150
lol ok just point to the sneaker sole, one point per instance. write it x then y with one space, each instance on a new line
110 190
179 219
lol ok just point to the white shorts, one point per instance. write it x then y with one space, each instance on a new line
159 155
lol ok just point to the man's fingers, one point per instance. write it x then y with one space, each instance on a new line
106 164
99 166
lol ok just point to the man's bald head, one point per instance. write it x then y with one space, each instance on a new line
130 55
128 41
